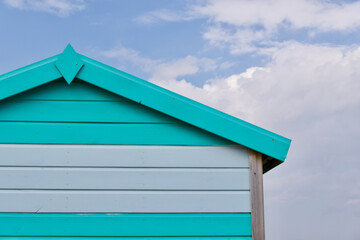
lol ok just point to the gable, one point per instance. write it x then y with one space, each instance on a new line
202 122
81 113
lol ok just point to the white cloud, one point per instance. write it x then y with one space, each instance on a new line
226 65
125 55
246 26
252 26
162 70
182 67
58 7
320 15
163 15
300 79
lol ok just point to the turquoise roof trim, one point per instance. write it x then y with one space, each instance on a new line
69 65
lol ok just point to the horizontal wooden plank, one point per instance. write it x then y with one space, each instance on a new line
134 225
59 90
124 178
126 238
80 111
124 201
123 156
106 133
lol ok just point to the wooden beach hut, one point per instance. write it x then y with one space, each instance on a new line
90 152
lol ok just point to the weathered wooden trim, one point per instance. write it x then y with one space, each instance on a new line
257 196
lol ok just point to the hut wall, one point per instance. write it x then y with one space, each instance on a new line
79 161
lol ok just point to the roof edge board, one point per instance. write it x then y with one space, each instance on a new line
28 77
192 102
184 109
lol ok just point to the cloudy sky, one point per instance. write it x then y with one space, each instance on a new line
292 67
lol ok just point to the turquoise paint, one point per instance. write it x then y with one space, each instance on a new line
152 96
106 133
28 77
77 91
80 111
132 224
126 238
69 64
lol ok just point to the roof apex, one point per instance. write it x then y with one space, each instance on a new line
69 63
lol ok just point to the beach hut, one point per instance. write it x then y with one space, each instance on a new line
87 150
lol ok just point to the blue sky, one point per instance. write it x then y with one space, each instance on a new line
292 67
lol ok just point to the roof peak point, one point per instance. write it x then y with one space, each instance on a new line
69 63
69 46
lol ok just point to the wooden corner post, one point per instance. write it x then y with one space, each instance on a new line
257 196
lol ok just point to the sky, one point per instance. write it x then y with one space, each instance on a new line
292 67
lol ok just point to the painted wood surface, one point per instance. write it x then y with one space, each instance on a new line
127 238
108 225
86 114
118 156
69 64
28 77
59 90
106 133
123 178
85 201
64 178
80 111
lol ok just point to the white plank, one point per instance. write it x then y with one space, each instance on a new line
123 156
124 201
124 178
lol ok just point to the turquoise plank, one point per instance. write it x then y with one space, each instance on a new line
184 109
125 238
28 77
132 224
106 133
78 91
80 111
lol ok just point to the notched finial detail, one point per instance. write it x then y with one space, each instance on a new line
69 64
